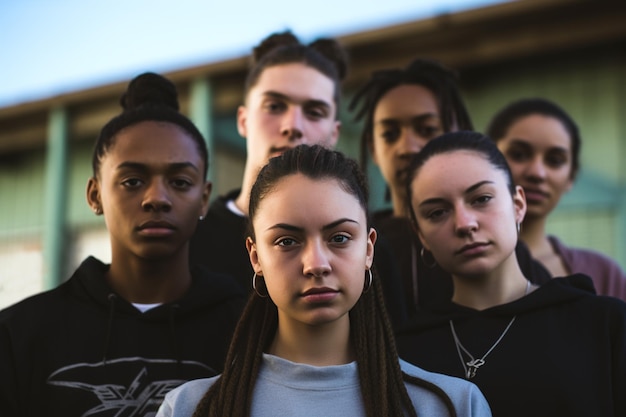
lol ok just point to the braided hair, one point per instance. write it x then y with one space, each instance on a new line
324 54
148 97
441 81
381 379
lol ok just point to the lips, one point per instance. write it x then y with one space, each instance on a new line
156 228
535 194
475 248
319 294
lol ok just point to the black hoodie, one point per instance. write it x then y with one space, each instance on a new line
82 350
564 355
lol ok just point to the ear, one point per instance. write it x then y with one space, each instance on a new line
334 134
206 195
519 204
242 119
254 256
371 241
94 198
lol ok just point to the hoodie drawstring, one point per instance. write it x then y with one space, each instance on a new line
175 343
112 300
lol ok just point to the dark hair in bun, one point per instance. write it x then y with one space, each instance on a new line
149 96
324 55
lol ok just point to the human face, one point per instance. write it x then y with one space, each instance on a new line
465 213
405 119
313 248
289 105
151 190
539 152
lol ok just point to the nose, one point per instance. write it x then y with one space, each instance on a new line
410 143
315 260
156 197
536 169
292 124
466 222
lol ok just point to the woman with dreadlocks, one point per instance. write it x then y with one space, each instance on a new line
314 339
403 109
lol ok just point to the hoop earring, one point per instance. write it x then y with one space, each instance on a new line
423 256
368 282
255 288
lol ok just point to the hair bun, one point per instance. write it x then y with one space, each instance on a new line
150 89
272 42
333 51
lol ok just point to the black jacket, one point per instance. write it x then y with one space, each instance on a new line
219 243
564 355
81 349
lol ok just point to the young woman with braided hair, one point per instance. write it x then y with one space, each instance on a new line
314 339
292 94
403 109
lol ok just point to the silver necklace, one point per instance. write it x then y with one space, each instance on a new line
471 367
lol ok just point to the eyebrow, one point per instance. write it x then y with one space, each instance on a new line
525 144
281 96
467 191
293 228
175 166
421 117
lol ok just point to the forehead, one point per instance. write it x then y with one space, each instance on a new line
540 131
299 199
297 81
454 172
406 100
152 142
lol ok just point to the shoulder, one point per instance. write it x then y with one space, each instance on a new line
466 397
586 260
182 401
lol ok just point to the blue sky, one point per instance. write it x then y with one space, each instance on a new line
53 47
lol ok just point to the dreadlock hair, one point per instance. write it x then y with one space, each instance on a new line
324 54
507 116
148 97
381 379
441 81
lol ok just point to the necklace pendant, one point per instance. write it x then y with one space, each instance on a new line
472 367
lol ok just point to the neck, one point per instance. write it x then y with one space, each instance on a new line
399 205
149 281
249 177
533 234
504 285
318 345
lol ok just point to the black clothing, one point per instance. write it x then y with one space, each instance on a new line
219 243
81 349
564 355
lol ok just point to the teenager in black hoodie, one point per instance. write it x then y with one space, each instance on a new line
114 339
553 350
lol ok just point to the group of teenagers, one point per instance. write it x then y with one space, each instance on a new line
287 297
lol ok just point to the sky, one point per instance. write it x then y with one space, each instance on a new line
54 47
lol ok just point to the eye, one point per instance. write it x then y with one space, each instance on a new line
427 131
435 214
274 106
391 134
482 199
518 154
132 183
316 112
340 238
181 183
285 242
556 159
